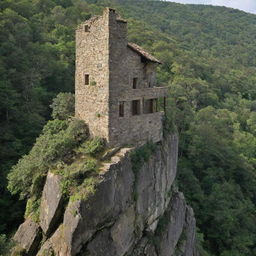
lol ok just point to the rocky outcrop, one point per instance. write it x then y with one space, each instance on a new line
51 203
133 211
28 236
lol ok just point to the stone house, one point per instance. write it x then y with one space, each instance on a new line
115 84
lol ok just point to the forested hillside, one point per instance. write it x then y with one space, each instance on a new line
209 66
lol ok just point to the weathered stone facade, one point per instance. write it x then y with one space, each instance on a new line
115 83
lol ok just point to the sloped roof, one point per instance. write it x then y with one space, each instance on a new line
143 53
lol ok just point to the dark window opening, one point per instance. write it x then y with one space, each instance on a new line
135 107
150 106
143 59
135 83
121 109
86 79
86 28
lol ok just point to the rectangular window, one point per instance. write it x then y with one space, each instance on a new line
121 109
135 83
150 106
135 107
86 79
86 28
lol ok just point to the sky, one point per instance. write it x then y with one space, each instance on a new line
244 5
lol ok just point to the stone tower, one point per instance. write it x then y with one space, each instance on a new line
115 83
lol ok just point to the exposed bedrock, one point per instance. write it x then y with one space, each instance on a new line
130 213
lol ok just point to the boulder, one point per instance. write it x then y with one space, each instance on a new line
28 236
51 204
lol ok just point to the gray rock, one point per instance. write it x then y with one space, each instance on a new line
113 195
124 215
102 245
122 232
175 221
154 182
51 204
190 248
28 236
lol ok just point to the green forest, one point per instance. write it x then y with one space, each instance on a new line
209 66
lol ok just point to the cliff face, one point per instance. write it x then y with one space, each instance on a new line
134 210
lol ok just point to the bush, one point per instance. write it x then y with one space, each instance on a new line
33 209
63 106
141 155
92 146
75 174
6 245
56 143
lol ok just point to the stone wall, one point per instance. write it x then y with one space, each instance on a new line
104 55
132 129
92 58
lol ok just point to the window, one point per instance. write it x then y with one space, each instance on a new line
121 109
86 79
135 83
150 106
86 28
135 107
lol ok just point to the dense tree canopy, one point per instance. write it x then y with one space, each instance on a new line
209 66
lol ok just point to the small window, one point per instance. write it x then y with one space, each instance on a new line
150 106
135 83
121 109
86 28
86 79
135 107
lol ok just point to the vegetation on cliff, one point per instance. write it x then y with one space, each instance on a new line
64 147
209 64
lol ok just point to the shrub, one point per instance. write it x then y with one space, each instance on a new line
92 146
88 166
75 174
63 106
86 189
57 141
33 208
6 245
141 155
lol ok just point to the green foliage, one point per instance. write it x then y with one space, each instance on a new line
6 245
75 174
87 189
208 56
57 141
33 208
63 106
141 155
92 146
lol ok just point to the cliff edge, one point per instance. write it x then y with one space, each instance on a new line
134 209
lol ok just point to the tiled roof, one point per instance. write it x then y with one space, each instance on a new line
142 52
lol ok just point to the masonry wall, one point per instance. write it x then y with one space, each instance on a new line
103 54
125 64
92 57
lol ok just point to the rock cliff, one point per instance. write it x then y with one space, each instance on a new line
134 210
